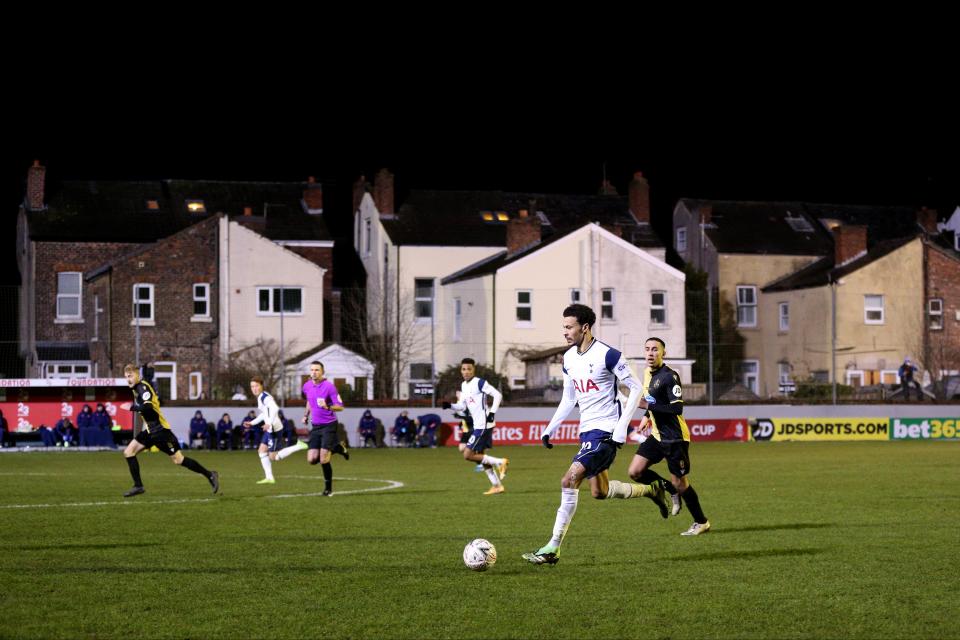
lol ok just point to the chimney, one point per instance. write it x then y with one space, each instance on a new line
383 192
640 198
706 213
313 196
36 176
927 219
607 189
849 242
522 232
248 211
359 188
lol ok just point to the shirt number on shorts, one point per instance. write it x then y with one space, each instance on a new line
585 447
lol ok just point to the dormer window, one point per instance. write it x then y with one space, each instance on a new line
196 206
153 205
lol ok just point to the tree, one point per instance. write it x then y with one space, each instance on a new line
727 340
261 357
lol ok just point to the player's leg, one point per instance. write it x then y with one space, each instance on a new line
327 445
678 462
569 496
130 454
168 443
649 453
267 442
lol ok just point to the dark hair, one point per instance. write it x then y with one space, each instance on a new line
469 361
662 343
582 313
257 379
318 363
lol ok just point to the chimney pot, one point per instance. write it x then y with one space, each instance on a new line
383 195
640 197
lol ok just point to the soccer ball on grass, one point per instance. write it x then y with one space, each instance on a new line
479 555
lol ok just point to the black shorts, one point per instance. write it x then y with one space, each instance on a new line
323 436
162 439
677 454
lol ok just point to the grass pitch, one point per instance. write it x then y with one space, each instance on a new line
809 540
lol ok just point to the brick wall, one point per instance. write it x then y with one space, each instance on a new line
943 281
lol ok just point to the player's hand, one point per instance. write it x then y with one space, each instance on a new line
445 405
491 418
303 419
126 406
546 441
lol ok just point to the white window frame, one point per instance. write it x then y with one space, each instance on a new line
457 319
935 314
70 318
654 307
150 320
432 299
51 369
518 383
783 315
868 309
745 306
170 375
195 385
575 295
785 381
523 305
273 311
612 304
742 376
205 299
855 373
681 242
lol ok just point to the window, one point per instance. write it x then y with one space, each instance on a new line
681 239
423 298
201 300
606 304
524 306
457 315
784 316
889 376
196 206
143 302
873 309
153 205
820 375
68 295
785 380
196 385
165 376
275 300
518 383
421 379
574 296
66 370
369 233
360 388
658 307
747 306
935 311
854 378
748 374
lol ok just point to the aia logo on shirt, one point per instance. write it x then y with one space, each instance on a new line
585 386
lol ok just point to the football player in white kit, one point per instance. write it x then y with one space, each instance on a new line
591 370
272 428
473 400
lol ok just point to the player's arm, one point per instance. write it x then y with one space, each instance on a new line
625 377
337 403
493 392
141 397
306 414
568 400
670 399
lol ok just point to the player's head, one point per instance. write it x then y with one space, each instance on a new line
316 371
578 322
132 374
653 351
256 385
468 368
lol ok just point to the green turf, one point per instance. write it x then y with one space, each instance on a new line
809 540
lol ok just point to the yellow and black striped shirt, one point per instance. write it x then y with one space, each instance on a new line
146 402
666 413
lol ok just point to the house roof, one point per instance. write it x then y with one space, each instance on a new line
796 228
822 272
454 218
65 351
545 353
118 211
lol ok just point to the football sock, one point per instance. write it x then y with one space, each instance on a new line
267 465
491 460
494 477
195 466
693 504
649 476
134 465
617 489
568 507
327 476
287 451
